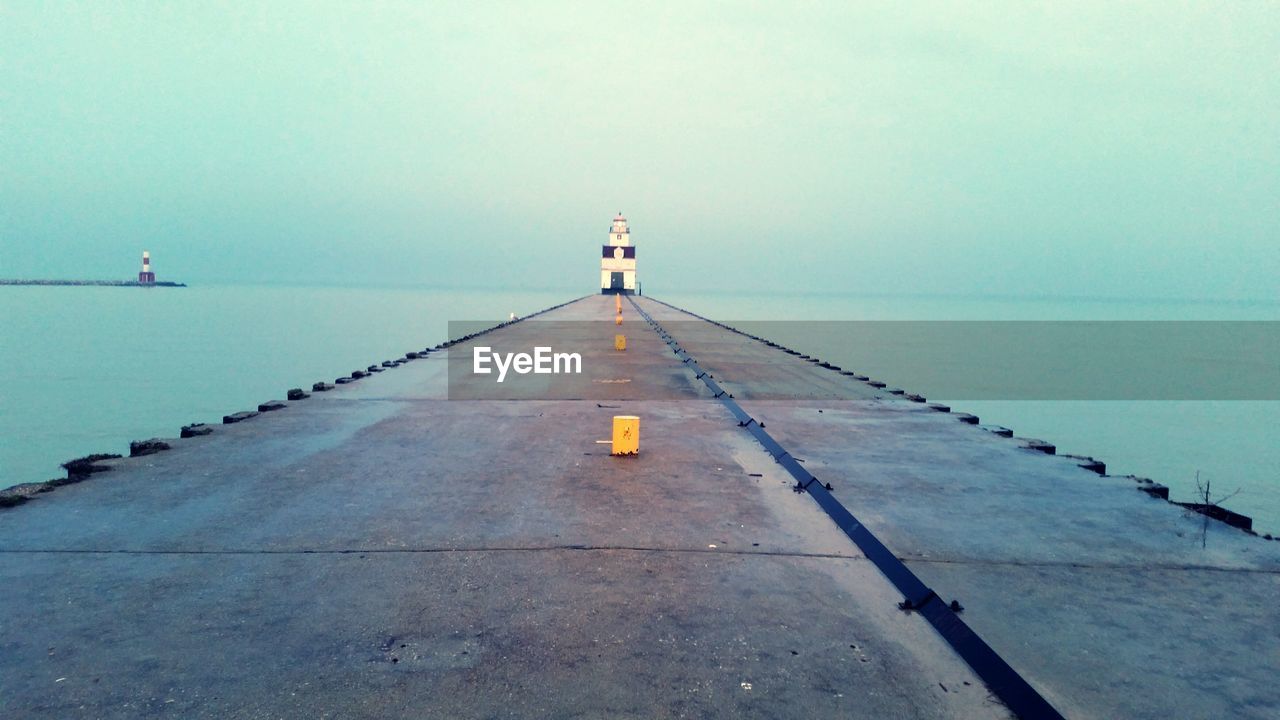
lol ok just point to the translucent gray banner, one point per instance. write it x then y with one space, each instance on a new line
945 360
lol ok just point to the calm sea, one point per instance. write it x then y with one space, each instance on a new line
1234 445
89 369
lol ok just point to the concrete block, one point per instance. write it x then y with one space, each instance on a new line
138 448
84 466
1047 448
195 430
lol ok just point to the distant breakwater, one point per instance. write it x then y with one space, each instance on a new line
99 283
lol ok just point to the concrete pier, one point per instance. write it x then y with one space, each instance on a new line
377 550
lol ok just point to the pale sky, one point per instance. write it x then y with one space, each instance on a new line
1065 148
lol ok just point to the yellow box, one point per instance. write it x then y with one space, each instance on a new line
619 342
626 435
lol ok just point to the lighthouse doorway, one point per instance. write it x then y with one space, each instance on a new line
615 281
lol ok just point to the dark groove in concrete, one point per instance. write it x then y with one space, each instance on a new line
1001 678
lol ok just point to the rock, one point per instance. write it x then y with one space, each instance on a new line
196 430
388 363
373 369
914 398
19 494
84 467
967 418
238 417
411 356
270 405
344 380
858 376
297 394
998 430
940 407
897 391
138 448
321 387
357 374
875 383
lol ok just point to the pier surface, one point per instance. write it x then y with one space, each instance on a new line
379 550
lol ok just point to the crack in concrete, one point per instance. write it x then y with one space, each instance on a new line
428 550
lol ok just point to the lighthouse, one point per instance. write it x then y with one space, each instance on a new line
146 277
618 263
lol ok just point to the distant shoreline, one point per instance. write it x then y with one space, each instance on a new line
96 283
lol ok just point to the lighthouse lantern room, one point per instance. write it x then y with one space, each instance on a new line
618 264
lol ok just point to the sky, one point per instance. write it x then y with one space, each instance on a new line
1093 149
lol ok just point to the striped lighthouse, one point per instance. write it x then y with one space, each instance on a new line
146 277
618 264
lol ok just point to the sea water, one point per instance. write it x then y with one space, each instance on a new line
87 369
1230 445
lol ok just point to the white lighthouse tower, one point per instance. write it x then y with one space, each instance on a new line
146 277
618 264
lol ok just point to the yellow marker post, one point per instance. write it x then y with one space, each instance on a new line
618 320
617 303
619 342
626 435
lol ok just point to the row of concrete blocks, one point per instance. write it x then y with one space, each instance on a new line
82 468
1146 485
